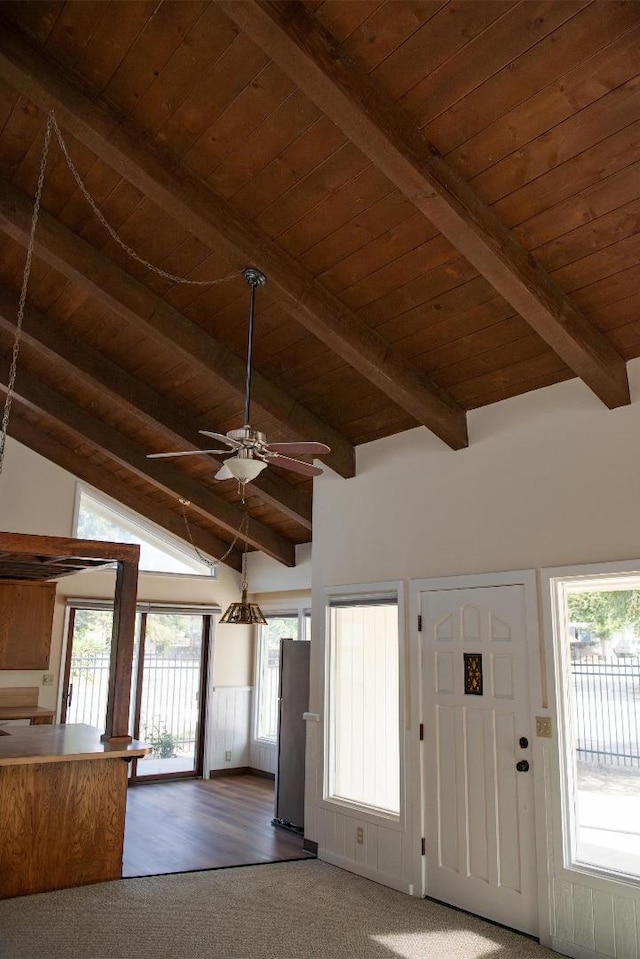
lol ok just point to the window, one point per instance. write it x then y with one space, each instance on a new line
279 626
101 518
597 627
364 707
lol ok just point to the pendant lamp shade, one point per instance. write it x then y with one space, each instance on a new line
244 613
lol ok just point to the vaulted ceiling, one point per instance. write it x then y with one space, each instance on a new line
444 196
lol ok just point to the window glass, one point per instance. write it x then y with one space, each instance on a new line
364 733
90 664
268 681
601 657
102 520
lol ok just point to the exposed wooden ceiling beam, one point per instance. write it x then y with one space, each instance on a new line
299 44
51 342
45 445
44 400
152 316
214 222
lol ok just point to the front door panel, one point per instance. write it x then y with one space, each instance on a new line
479 812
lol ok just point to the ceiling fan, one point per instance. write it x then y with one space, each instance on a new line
249 450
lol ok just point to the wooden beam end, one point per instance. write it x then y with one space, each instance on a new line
616 393
343 461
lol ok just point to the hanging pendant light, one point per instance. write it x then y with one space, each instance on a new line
244 613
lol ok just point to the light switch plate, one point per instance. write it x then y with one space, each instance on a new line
47 679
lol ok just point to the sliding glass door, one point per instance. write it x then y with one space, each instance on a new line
168 687
169 692
86 681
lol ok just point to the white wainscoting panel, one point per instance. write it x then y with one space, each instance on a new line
386 855
590 922
229 727
263 756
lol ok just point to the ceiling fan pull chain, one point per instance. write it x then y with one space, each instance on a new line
23 292
112 232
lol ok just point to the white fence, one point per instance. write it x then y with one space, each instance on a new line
169 706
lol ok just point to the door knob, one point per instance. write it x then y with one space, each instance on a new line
522 766
524 742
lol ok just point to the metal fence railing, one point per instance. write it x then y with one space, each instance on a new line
89 685
169 705
607 712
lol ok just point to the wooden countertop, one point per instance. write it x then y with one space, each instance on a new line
25 712
22 745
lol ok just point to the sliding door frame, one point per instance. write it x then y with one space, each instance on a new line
207 614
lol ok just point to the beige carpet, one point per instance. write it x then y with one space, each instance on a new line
289 910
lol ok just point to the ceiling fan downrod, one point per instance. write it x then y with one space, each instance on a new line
254 278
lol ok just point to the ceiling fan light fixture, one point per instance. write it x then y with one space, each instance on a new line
244 613
244 469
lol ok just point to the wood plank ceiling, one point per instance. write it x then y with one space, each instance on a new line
443 194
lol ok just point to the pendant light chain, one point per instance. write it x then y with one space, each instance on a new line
242 531
112 232
23 292
52 125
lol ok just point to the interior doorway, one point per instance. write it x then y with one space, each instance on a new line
168 689
477 778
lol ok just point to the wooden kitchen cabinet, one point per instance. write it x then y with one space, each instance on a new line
26 619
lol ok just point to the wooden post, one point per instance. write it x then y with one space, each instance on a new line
122 642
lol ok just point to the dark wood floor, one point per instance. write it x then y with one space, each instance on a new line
195 824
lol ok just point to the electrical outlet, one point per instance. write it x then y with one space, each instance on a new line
227 756
543 727
360 835
47 679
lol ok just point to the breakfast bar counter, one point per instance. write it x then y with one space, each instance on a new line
62 807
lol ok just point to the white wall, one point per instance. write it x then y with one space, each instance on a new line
549 478
38 497
267 575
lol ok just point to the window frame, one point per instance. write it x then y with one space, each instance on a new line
361 811
301 611
605 576
173 543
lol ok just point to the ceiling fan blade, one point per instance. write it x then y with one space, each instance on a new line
224 473
157 456
296 466
223 439
299 449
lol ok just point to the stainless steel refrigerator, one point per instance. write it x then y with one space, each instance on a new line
293 702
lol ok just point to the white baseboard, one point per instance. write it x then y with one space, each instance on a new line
575 951
385 879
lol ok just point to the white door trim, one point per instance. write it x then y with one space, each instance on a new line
535 661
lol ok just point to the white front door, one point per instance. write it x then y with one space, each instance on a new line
478 807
